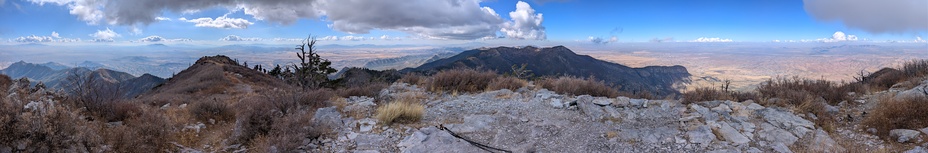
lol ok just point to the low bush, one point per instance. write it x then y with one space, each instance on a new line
898 113
123 110
461 80
915 68
577 86
5 82
318 98
370 90
705 94
413 79
287 134
797 90
709 94
505 82
255 118
212 109
400 111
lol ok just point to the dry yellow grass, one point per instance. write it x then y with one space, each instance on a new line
400 111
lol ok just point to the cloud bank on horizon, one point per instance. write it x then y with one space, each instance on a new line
436 20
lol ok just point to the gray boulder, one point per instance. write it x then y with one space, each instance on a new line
917 149
621 102
903 135
774 134
700 135
730 134
593 111
787 121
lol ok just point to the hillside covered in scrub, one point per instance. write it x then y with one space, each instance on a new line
220 105
561 61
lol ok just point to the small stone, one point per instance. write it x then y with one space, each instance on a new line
903 135
701 135
621 102
924 130
524 119
831 109
917 149
165 106
601 101
781 148
556 103
753 150
730 134
643 103
722 109
366 124
182 106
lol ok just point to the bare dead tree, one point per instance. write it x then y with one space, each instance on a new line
312 71
92 92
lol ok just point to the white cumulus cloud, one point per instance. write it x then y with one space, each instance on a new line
162 19
601 40
237 38
222 22
706 39
104 35
161 39
877 16
525 23
839 36
54 37
34 39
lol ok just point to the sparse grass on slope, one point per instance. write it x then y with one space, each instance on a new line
506 82
577 86
461 80
404 109
898 113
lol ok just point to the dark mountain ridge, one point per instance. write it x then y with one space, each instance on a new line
58 79
561 61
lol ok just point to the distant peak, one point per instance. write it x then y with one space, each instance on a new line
218 59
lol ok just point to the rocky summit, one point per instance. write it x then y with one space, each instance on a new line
542 121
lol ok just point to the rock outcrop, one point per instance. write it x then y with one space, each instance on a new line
542 121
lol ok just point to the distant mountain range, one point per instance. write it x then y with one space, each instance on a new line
561 61
55 76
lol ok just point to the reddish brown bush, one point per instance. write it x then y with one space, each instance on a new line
212 109
256 118
287 133
898 113
709 94
123 110
5 82
577 86
462 80
370 90
149 131
505 82
915 68
796 90
413 79
317 98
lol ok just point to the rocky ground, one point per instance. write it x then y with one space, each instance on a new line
543 121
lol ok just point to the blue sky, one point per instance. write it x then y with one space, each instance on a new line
459 21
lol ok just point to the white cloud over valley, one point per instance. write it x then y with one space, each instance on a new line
706 39
434 19
104 35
